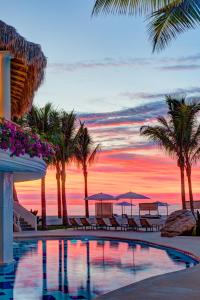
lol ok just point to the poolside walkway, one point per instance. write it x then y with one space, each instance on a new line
183 285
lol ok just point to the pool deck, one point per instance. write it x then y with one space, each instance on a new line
183 285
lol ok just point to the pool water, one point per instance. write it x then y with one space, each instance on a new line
82 268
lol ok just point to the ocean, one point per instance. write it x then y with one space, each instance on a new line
79 210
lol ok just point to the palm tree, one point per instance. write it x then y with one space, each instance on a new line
58 180
55 139
186 114
167 18
85 155
189 113
66 142
40 121
169 134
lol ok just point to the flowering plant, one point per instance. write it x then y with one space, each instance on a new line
22 141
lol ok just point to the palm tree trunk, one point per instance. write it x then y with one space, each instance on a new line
188 172
64 204
58 189
15 197
183 186
43 203
86 192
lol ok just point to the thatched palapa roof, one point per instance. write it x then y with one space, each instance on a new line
27 68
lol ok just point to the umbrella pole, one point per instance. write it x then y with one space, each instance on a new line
131 208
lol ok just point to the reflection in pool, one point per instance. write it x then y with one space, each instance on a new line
83 268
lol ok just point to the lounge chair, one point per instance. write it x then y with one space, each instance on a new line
86 224
132 224
114 223
101 224
145 224
74 223
125 216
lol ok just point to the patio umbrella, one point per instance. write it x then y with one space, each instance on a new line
131 196
123 205
159 203
101 197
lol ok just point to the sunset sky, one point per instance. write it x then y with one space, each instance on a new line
104 69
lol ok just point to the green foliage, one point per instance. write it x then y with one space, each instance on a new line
167 18
85 151
179 133
130 7
67 136
60 128
179 136
168 134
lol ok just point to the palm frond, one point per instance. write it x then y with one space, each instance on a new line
169 21
93 155
195 156
130 7
192 149
85 153
159 135
67 135
163 121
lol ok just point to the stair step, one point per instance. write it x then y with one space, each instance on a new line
25 226
23 217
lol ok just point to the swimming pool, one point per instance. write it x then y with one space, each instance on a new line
83 268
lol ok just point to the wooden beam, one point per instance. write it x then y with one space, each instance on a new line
16 94
13 97
17 77
18 72
16 88
17 82
18 64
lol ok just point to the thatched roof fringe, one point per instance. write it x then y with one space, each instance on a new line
29 59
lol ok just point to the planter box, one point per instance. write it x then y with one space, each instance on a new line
24 168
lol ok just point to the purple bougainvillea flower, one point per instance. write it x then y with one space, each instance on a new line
20 142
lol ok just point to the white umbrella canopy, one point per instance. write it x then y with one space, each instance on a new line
131 196
101 197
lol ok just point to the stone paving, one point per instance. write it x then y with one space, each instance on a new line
183 285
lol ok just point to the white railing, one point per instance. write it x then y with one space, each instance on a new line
19 210
16 222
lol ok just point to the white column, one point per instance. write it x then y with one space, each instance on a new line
6 179
5 99
6 218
